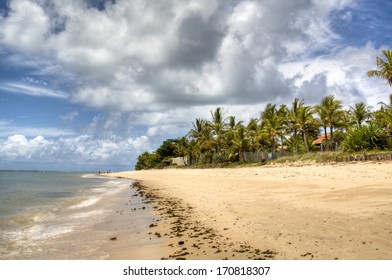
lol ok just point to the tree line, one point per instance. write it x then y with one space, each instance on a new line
293 129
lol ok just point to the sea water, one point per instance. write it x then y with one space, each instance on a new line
49 215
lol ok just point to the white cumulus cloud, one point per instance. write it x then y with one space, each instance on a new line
74 153
154 66
343 74
153 56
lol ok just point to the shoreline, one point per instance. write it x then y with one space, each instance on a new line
128 227
166 233
187 238
326 212
80 223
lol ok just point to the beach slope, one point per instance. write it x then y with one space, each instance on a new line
334 211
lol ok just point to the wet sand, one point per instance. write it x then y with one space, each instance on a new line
303 211
126 228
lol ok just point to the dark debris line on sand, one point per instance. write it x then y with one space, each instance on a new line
193 234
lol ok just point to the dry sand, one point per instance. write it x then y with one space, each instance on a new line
337 211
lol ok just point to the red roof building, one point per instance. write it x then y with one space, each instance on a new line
320 139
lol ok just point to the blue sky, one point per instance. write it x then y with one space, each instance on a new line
89 85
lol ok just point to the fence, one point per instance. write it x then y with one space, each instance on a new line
263 156
365 157
248 157
255 156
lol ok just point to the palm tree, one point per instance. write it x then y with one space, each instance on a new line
272 125
283 113
231 127
208 139
360 113
181 148
323 122
218 127
348 120
206 143
305 121
198 133
384 67
293 115
384 115
388 106
198 128
253 130
193 151
240 142
330 113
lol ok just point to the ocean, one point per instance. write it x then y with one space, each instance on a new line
56 215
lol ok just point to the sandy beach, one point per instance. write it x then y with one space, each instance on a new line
302 211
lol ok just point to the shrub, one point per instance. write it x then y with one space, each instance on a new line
364 138
148 161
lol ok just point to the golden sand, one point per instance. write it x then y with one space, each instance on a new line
311 211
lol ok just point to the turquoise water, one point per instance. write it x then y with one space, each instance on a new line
40 212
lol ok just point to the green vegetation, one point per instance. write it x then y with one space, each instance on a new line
384 67
282 130
364 138
155 160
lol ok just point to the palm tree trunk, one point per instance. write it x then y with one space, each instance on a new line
273 148
332 141
326 138
295 141
281 143
241 153
305 142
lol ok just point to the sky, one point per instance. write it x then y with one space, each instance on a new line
91 84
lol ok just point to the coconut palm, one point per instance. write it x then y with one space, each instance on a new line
283 113
231 127
272 125
198 127
330 113
360 113
384 115
323 121
305 121
199 133
240 142
387 106
181 148
206 144
293 121
218 128
384 67
253 130
348 120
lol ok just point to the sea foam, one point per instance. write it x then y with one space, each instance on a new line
88 202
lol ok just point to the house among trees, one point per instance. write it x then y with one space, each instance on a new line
320 142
